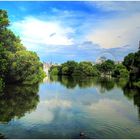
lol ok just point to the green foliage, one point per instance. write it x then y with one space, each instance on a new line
9 41
68 67
65 70
129 61
54 70
16 63
86 68
1 85
27 61
137 84
72 68
137 59
106 67
4 22
3 62
120 71
132 62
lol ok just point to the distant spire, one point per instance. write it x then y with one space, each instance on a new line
139 45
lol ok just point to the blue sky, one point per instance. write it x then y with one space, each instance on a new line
61 31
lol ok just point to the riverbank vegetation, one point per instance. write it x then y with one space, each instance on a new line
17 65
128 69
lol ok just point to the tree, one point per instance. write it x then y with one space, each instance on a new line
1 85
137 60
65 70
88 69
4 22
3 62
129 61
120 71
54 70
16 63
132 62
106 67
68 67
25 67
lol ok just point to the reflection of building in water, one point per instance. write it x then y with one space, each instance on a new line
47 66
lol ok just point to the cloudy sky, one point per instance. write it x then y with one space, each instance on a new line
61 31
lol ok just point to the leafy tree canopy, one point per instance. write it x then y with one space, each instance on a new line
16 63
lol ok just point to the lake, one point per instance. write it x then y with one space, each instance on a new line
71 107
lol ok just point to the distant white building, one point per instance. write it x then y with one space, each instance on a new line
47 66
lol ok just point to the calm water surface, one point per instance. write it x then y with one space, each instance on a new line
64 107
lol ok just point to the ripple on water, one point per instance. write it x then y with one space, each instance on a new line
109 130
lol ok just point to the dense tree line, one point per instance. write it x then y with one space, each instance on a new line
129 68
108 67
72 68
16 63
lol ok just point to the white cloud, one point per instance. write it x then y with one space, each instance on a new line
46 111
53 41
125 6
117 32
107 106
35 31
55 103
110 109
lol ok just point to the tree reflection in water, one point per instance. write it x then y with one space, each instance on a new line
85 82
2 136
16 100
133 93
104 84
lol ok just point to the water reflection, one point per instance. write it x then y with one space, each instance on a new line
16 100
132 93
104 84
84 82
2 136
71 107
